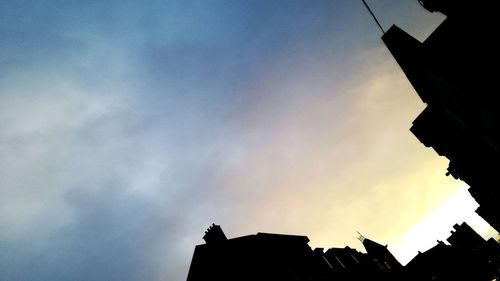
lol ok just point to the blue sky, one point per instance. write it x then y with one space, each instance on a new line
127 128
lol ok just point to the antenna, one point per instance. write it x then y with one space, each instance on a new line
373 15
361 237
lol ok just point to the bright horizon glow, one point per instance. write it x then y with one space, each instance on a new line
438 225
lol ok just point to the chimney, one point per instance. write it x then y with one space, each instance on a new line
214 235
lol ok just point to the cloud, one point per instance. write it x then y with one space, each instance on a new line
87 193
326 164
125 131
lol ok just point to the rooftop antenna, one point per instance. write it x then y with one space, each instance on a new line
361 237
373 15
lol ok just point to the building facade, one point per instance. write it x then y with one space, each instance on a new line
454 71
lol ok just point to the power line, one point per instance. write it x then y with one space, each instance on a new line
373 15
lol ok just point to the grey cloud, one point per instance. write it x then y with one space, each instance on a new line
113 159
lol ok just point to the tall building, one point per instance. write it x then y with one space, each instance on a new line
454 71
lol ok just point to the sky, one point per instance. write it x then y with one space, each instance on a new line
128 127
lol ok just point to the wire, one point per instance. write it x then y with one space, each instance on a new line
373 15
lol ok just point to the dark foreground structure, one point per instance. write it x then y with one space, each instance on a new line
455 72
467 257
265 256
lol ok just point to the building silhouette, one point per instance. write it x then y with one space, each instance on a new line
266 256
454 71
467 257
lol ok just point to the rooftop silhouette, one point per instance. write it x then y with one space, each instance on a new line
266 256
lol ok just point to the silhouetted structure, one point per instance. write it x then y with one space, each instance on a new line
468 257
266 256
454 73
214 235
256 257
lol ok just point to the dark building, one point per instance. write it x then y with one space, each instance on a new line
467 257
266 256
455 72
377 263
262 256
